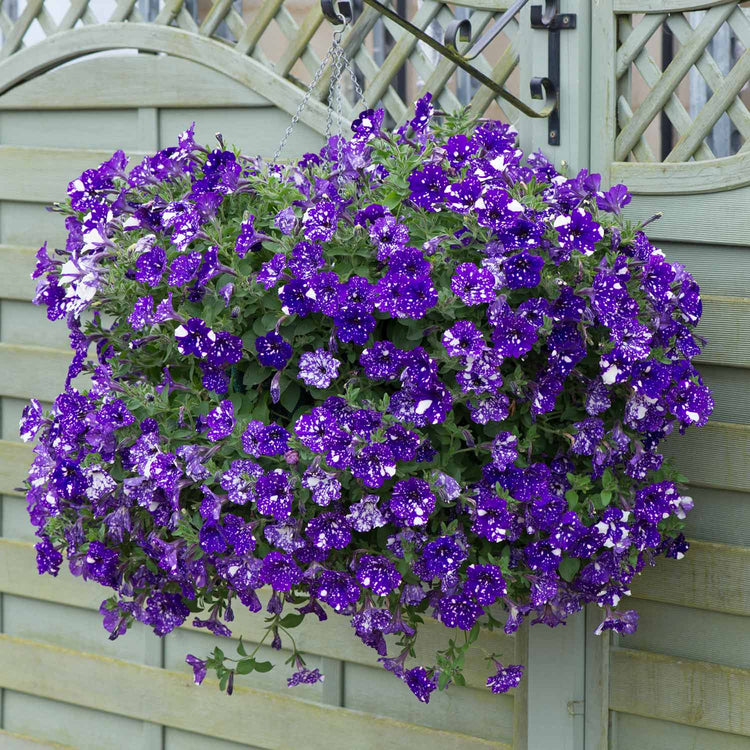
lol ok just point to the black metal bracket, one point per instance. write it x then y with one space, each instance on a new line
548 17
340 11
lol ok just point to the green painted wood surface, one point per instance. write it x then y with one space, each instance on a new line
711 576
687 633
169 698
694 218
697 693
659 6
639 733
13 741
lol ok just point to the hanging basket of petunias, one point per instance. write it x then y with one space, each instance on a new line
414 376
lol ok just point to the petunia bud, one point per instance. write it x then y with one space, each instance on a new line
276 387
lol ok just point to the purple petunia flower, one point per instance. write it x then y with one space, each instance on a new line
273 494
273 351
458 611
578 232
463 339
319 222
374 465
220 421
248 239
354 324
485 583
420 683
338 590
280 571
474 286
523 271
412 501
427 187
319 368
388 236
505 678
194 337
329 531
383 361
378 574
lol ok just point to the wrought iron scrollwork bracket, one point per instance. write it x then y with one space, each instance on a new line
549 18
341 11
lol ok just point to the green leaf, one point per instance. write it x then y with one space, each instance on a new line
443 680
241 649
568 567
245 666
572 497
263 666
291 620
290 396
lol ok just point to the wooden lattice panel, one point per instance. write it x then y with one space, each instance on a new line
670 85
291 44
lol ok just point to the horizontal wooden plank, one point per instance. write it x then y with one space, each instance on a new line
80 727
665 6
713 218
717 455
13 741
719 516
710 576
686 633
169 698
720 270
15 281
106 129
685 178
333 638
28 371
117 82
697 693
41 175
726 326
654 734
730 386
15 459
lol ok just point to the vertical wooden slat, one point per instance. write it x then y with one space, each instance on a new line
596 719
603 88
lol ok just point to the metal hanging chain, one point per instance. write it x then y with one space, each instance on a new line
336 57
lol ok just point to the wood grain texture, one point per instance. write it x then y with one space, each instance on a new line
697 693
653 734
687 633
41 175
169 698
15 281
15 459
668 6
695 218
687 178
717 455
711 576
28 371
726 326
13 741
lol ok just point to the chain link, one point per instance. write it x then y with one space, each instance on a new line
336 57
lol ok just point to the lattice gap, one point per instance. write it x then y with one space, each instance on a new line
291 37
683 85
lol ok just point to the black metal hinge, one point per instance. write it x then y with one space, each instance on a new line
549 18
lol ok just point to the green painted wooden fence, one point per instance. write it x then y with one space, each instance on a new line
684 679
